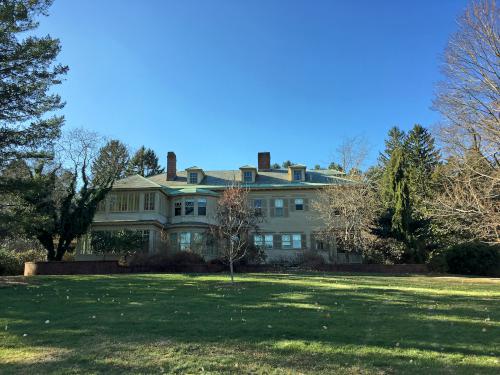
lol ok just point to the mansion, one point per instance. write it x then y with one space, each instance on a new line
173 210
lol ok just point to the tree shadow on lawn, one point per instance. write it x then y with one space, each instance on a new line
296 327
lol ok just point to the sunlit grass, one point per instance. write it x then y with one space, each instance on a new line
267 323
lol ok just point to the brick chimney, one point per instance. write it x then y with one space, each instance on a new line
264 160
171 166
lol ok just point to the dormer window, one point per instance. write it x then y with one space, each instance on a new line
193 177
247 176
296 173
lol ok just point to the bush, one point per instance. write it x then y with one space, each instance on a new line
165 262
12 262
311 260
470 258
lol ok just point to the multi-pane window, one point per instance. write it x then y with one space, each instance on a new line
197 243
144 239
123 202
247 176
178 208
185 240
202 207
286 241
193 177
189 207
173 240
297 241
149 201
257 206
299 204
297 175
258 240
278 207
268 241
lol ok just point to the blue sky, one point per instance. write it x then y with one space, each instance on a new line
218 81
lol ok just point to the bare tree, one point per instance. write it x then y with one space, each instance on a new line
235 219
469 100
347 212
351 153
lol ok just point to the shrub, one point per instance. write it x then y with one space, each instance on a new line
470 258
165 262
311 260
12 262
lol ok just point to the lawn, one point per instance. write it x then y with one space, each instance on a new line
268 323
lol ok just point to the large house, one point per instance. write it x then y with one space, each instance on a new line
173 210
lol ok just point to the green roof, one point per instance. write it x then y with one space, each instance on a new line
191 190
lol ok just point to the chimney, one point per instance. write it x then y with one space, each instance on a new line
171 166
264 160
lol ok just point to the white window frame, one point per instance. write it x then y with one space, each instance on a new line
268 241
296 241
149 201
193 177
184 241
178 204
299 202
286 239
247 176
279 208
189 203
295 175
202 203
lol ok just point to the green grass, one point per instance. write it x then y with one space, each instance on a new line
268 323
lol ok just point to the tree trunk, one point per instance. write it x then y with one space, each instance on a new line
231 269
48 244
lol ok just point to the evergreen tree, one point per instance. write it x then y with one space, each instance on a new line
27 129
275 166
423 157
395 139
112 160
144 163
286 164
335 166
27 75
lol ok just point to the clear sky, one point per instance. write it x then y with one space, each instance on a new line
218 81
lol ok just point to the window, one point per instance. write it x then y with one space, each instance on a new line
278 207
189 207
257 205
299 204
258 240
193 177
247 176
185 241
320 245
198 239
297 241
286 241
173 240
149 201
178 208
297 175
124 202
202 207
268 241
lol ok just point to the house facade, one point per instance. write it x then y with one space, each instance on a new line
174 210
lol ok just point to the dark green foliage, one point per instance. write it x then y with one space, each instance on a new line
12 262
275 166
286 164
117 242
27 74
422 159
112 160
470 258
144 163
395 139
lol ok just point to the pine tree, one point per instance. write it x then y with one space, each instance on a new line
144 163
423 157
395 139
112 160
